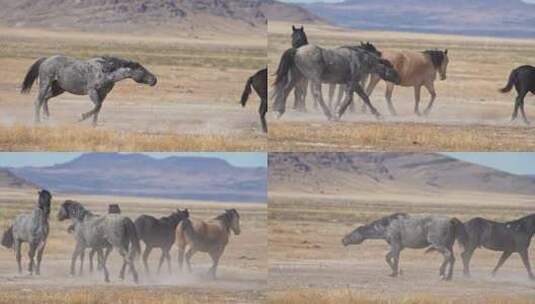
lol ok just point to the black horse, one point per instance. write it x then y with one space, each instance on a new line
523 79
159 233
299 38
509 237
259 83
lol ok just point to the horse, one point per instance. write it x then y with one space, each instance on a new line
259 82
159 233
206 236
299 38
509 237
523 79
401 231
31 228
346 65
95 77
112 209
416 69
341 88
101 231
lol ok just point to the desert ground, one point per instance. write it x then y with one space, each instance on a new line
194 106
309 264
242 273
469 112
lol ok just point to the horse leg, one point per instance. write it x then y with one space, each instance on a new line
168 258
31 255
348 100
467 256
133 270
449 259
505 255
431 88
146 254
97 101
162 257
40 258
91 255
392 258
341 90
262 111
54 91
526 121
189 253
332 88
74 256
103 261
374 80
279 106
18 254
215 259
388 97
417 94
82 255
318 97
300 91
362 94
524 254
181 250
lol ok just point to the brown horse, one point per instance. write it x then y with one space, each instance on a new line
211 237
416 69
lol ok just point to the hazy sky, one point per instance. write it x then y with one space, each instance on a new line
517 163
46 159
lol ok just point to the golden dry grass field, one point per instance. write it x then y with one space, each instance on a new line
242 273
469 113
195 105
309 264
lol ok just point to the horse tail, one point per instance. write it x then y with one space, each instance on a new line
460 232
133 237
31 76
247 91
7 238
510 83
282 74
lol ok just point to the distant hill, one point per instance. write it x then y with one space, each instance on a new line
195 178
376 172
504 18
183 16
10 180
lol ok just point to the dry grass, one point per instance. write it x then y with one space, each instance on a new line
299 136
78 138
345 296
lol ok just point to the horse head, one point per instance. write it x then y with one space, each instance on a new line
121 69
386 71
114 209
234 218
440 61
44 202
299 38
355 237
71 210
141 75
180 215
374 230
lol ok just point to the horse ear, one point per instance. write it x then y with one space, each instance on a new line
302 28
446 52
293 28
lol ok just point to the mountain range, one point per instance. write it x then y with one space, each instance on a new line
178 16
375 172
504 18
192 178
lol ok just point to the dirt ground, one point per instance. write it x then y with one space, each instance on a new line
242 273
309 264
200 81
468 109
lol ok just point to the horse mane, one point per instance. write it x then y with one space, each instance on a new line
81 212
385 221
112 64
437 57
521 222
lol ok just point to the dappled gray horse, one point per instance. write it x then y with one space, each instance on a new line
94 77
347 65
509 237
31 228
403 231
94 231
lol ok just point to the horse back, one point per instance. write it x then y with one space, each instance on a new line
414 68
211 234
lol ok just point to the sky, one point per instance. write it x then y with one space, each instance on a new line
513 162
43 159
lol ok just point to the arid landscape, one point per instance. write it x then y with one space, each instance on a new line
242 272
309 216
201 74
469 113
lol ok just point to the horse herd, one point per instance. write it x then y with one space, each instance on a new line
439 233
103 233
351 66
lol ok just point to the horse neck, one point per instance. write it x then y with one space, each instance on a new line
39 215
119 74
224 220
